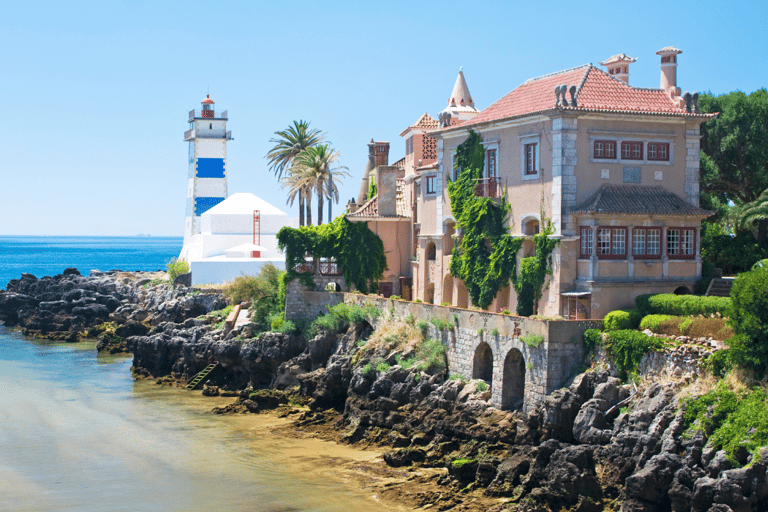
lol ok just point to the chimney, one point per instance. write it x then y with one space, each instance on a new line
618 66
386 185
381 152
668 67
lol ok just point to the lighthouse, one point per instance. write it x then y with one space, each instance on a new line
207 177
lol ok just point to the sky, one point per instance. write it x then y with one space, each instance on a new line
96 94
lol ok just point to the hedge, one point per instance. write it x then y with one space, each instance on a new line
622 319
627 347
682 305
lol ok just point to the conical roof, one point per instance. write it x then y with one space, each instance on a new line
460 96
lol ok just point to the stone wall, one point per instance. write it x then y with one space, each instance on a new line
519 373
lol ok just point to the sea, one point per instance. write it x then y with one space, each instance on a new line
77 433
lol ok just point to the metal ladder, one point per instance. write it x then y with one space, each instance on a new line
198 379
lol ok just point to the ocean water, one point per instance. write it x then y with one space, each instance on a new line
78 434
46 255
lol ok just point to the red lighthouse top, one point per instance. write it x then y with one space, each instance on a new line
208 106
208 100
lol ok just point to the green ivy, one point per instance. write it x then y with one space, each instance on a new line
486 257
529 284
358 251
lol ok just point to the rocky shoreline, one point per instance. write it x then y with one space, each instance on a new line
595 445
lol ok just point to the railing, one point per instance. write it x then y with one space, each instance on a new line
488 187
190 134
305 268
329 268
206 114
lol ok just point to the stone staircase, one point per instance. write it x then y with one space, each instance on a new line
720 287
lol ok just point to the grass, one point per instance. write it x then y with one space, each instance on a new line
734 413
459 463
442 325
456 376
176 268
481 386
341 316
429 357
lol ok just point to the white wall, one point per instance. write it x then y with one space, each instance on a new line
220 271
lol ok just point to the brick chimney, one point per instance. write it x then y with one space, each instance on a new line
668 67
380 151
618 66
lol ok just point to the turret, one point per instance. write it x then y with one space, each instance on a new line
668 67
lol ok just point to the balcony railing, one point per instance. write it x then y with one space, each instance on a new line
488 187
329 268
206 114
190 135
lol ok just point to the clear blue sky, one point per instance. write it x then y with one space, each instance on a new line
96 94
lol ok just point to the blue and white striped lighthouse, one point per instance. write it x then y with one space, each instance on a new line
207 178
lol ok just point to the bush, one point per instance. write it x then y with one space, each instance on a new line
683 305
749 318
733 254
622 319
532 340
627 347
428 357
591 338
736 422
652 322
176 268
441 325
340 316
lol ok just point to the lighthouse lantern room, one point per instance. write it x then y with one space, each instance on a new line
207 176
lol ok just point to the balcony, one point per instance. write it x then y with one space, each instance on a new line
191 135
488 187
206 114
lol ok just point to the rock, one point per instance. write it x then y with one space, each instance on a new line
131 328
558 414
183 280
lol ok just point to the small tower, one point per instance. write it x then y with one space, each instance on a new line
668 66
618 66
461 106
207 177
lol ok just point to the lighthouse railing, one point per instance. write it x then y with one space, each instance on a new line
198 114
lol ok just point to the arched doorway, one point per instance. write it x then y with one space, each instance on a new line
462 296
431 252
429 294
482 366
513 380
448 289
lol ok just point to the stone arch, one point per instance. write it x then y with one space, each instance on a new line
502 299
429 294
530 224
482 364
682 290
431 251
513 380
449 230
448 289
462 295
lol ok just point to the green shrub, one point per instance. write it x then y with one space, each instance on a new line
652 322
733 254
685 324
762 264
627 347
428 357
340 316
591 339
395 297
707 273
456 376
532 340
506 312
367 369
423 326
736 422
481 386
494 332
622 319
383 367
683 305
442 325
265 292
749 318
176 268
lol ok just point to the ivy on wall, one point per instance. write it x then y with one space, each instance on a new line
357 250
486 257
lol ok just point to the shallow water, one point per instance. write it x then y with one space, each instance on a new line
77 433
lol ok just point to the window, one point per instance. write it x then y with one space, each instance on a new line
646 243
587 242
658 151
611 243
409 145
490 164
681 243
605 149
210 126
431 181
632 150
530 159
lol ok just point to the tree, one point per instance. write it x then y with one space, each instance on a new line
288 144
734 153
299 182
318 173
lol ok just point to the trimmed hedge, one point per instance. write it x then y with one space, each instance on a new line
622 319
653 322
683 305
694 326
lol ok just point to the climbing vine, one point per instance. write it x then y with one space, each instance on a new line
486 257
529 283
355 248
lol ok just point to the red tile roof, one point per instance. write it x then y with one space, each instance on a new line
596 91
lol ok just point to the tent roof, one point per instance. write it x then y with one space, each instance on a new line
243 203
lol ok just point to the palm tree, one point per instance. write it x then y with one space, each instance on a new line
316 165
288 144
754 216
298 181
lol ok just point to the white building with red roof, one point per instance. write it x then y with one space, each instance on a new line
614 166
